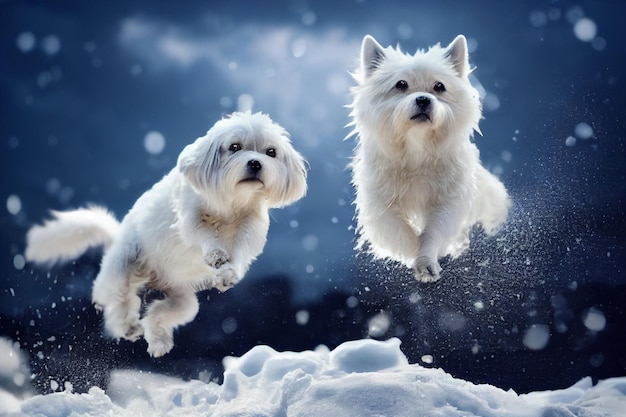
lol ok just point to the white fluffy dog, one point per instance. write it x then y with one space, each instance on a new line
420 186
200 227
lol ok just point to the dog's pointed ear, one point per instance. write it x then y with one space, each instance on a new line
457 54
372 54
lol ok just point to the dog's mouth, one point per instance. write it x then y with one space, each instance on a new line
251 180
421 117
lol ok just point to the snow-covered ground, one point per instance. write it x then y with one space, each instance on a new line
358 378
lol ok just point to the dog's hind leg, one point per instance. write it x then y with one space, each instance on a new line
179 306
116 291
493 202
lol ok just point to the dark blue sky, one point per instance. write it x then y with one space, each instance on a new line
82 84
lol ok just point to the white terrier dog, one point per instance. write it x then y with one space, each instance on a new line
200 227
420 186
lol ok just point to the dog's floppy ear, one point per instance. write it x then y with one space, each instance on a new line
295 185
199 161
456 52
372 54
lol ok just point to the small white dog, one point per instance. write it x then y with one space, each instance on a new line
200 227
420 186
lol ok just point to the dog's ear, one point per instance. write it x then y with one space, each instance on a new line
372 54
295 185
199 161
457 54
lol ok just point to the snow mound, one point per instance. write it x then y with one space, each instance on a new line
359 378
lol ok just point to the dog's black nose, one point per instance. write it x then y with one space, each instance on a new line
254 165
422 102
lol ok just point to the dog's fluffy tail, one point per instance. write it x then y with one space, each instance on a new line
69 234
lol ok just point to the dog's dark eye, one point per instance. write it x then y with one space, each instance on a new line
402 85
235 147
271 152
439 87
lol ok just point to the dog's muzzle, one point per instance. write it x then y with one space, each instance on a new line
423 108
253 168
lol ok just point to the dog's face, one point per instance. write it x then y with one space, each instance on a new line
244 158
426 95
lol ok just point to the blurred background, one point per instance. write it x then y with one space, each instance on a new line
98 99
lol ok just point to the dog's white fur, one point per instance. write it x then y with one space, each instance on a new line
419 183
200 227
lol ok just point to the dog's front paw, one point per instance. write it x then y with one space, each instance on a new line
226 279
426 269
216 258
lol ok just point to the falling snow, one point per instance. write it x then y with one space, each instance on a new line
536 336
26 42
594 319
154 142
585 29
14 204
583 131
51 44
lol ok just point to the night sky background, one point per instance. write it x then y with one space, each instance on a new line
98 98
